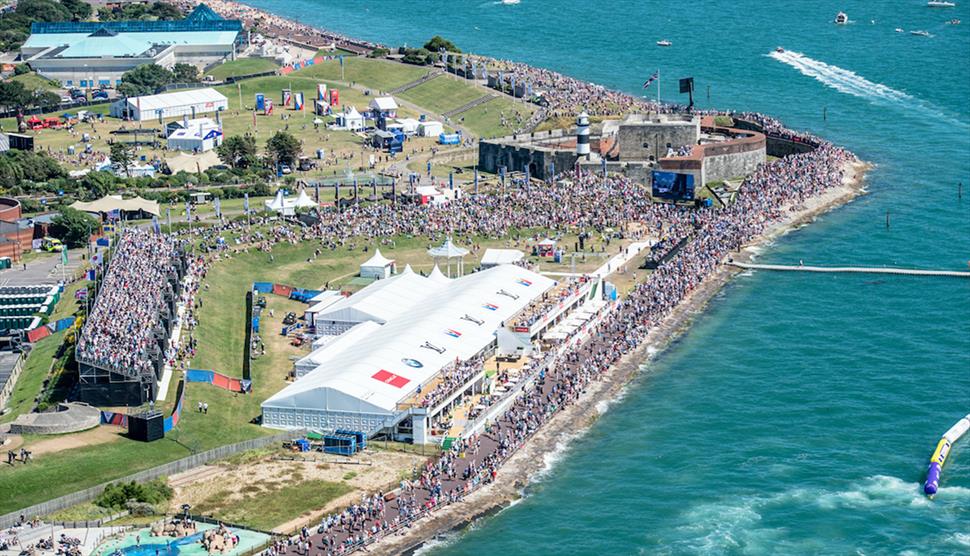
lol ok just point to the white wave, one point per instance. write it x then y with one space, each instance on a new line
552 458
438 542
960 539
877 490
851 83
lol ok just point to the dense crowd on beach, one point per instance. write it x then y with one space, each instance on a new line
119 333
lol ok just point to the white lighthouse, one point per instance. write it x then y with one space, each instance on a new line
582 134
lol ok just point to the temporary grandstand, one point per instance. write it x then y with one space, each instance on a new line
110 371
92 54
395 341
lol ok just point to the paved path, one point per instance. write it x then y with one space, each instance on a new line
854 269
46 269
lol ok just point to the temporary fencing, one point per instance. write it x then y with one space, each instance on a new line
114 418
218 379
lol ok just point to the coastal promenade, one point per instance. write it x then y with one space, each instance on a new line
853 269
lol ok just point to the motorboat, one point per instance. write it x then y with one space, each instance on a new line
940 4
779 50
664 42
900 30
841 18
953 22
920 33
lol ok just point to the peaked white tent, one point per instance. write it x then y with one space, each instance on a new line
448 250
350 120
495 257
303 200
288 206
437 276
377 267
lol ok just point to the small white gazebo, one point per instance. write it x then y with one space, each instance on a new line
377 267
448 250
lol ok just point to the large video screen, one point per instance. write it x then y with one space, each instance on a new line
673 186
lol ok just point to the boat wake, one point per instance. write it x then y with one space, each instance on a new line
851 83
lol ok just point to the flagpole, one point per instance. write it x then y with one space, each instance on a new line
658 90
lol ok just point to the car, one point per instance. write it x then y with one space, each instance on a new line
289 319
100 95
67 100
51 245
285 169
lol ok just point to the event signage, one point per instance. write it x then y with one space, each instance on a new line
414 363
673 185
390 378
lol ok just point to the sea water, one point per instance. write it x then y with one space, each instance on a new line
798 413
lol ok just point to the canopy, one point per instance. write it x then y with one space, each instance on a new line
447 250
109 203
377 260
303 200
495 257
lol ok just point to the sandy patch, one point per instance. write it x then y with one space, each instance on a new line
373 470
98 435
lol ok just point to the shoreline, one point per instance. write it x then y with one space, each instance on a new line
520 469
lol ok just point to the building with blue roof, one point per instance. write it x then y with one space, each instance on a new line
93 54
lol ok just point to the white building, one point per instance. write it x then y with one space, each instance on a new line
417 327
350 120
430 129
495 257
408 125
384 105
200 135
377 267
170 105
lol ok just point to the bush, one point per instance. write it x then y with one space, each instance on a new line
118 495
723 121
378 52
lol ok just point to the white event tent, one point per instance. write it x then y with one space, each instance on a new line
413 328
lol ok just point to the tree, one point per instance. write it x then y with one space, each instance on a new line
21 69
79 9
164 10
283 148
97 184
122 155
13 94
438 42
144 80
238 151
48 100
73 227
185 73
419 56
43 10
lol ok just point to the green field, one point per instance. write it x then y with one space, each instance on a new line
242 66
443 93
486 120
32 82
273 503
381 75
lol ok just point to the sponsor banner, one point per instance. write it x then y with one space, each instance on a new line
390 378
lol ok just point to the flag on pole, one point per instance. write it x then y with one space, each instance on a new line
218 206
155 226
246 202
81 294
64 255
651 79
188 211
92 274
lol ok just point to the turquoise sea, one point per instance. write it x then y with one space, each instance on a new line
798 413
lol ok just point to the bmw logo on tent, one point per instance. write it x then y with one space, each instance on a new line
412 363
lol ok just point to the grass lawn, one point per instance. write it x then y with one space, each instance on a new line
443 93
272 503
381 75
32 82
242 66
496 118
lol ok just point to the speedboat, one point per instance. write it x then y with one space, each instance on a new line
664 42
953 22
841 18
899 30
779 50
920 33
940 4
